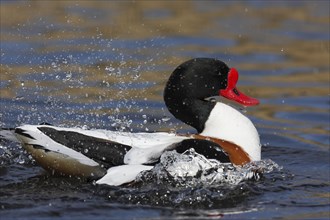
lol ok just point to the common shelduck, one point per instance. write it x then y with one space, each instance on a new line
116 158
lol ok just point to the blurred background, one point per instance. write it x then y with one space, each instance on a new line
101 55
103 64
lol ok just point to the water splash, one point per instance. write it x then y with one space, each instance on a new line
10 153
193 169
190 180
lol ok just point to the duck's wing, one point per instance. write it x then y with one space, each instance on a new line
148 147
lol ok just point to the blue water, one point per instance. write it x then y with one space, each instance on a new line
104 65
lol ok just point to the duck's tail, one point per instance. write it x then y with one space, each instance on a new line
8 134
56 155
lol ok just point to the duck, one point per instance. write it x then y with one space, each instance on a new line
116 158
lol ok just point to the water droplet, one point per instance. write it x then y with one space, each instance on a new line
85 127
109 69
165 119
172 131
19 98
86 151
68 75
136 76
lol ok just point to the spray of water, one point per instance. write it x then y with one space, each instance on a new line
193 169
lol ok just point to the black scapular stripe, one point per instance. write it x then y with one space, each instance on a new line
39 147
22 132
206 148
105 152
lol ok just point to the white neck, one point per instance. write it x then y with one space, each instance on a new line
228 124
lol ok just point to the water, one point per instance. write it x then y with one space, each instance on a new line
104 65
